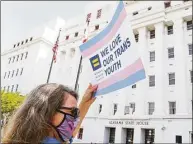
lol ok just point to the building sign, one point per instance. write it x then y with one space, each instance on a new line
113 55
128 122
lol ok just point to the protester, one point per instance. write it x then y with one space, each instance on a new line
49 115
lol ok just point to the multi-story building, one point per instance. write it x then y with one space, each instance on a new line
155 110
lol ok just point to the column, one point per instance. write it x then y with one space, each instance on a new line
160 74
180 68
118 136
138 135
142 86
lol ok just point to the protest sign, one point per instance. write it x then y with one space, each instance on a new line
113 55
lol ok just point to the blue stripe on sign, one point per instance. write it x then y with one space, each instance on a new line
123 83
103 33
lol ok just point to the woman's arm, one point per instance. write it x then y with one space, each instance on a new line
85 104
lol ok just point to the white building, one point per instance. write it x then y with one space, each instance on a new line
157 109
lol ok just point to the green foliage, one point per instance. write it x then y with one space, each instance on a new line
10 101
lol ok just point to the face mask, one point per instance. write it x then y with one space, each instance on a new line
67 126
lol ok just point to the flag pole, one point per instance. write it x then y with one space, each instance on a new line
53 56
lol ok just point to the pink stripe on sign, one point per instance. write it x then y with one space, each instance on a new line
108 37
128 71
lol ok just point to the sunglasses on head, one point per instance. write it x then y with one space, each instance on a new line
74 111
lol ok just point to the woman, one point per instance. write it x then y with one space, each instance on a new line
49 115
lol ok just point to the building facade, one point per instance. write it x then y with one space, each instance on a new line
155 110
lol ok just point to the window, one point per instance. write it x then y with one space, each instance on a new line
26 40
152 34
72 52
178 139
21 71
18 44
31 38
172 107
12 88
136 37
13 59
12 73
126 111
96 27
132 107
134 86
9 74
151 107
16 87
191 78
135 13
26 55
190 49
99 13
149 8
76 34
14 45
5 75
88 17
114 109
170 52
22 42
171 78
100 108
9 60
80 133
8 88
189 25
152 81
167 4
170 30
152 56
67 37
17 72
112 135
17 58
21 56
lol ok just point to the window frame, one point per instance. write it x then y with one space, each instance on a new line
99 12
170 54
190 49
151 80
115 107
151 57
151 109
172 110
152 34
170 79
189 26
170 31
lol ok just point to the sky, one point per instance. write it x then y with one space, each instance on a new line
18 18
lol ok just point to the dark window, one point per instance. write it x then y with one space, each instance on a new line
152 56
170 30
5 75
99 13
149 136
22 42
112 135
190 49
8 74
189 25
8 88
16 88
152 34
151 107
88 17
9 60
80 133
13 73
96 27
18 44
171 78
191 78
178 139
114 109
21 71
14 45
152 81
167 4
31 38
26 55
21 56
26 40
134 86
132 107
136 37
76 34
12 88
135 13
170 53
172 107
149 8
100 108
17 72
17 58
67 37
13 59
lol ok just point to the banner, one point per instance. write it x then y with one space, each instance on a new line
113 55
